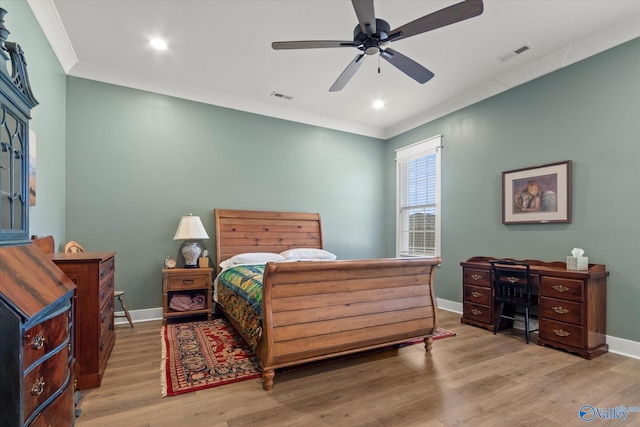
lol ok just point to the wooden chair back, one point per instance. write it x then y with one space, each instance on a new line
46 243
73 247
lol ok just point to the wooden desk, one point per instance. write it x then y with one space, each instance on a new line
572 304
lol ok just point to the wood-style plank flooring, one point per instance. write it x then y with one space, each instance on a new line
473 379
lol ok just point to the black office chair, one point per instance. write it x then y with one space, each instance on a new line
512 285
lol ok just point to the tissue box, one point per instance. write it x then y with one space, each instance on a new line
577 263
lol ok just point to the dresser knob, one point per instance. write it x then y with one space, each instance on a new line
560 288
38 341
476 312
476 294
561 333
560 310
476 276
38 387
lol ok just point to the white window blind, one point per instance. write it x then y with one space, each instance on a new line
418 206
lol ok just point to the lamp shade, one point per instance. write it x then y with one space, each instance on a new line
190 227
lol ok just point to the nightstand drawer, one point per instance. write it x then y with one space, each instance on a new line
187 281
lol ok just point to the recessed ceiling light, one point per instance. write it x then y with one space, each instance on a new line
158 43
378 104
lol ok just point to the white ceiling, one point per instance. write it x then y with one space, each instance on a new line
220 53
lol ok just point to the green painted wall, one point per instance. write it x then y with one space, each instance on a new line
138 161
48 82
135 162
587 113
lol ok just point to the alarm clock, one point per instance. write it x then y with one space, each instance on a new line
170 262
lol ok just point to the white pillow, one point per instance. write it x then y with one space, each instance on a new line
308 254
250 258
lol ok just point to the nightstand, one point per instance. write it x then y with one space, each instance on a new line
186 281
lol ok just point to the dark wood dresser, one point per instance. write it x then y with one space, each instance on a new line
93 273
36 346
572 303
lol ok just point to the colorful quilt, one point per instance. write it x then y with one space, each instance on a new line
240 293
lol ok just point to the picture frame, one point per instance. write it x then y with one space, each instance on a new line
537 194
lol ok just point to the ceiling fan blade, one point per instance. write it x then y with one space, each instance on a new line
347 73
311 44
366 15
447 16
407 65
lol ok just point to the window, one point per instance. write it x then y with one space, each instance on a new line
418 206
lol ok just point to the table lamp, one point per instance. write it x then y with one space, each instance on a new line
190 228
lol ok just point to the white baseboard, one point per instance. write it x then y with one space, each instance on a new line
617 345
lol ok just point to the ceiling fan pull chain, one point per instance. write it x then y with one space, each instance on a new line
378 64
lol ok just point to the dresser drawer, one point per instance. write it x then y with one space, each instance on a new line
44 337
107 267
477 312
560 332
188 281
106 290
477 294
477 277
106 315
561 310
555 287
44 380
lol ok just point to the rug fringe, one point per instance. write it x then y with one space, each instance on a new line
163 364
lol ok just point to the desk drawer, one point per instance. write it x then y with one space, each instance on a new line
44 380
477 312
477 294
477 277
556 287
561 332
561 310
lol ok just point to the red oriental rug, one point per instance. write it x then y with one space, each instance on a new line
199 355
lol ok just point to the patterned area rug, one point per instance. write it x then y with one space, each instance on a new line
199 355
443 333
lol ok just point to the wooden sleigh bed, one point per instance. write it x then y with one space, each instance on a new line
314 310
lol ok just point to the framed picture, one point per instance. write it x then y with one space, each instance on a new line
537 194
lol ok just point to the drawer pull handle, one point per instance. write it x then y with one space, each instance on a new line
561 333
476 312
476 294
102 272
512 279
38 387
560 310
38 342
560 288
476 276
188 281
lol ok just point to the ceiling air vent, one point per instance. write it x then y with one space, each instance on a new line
281 95
522 49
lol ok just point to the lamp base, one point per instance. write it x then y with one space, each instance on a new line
191 251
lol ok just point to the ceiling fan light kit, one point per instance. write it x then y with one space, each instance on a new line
371 35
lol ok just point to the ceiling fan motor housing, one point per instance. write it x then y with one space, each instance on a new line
370 44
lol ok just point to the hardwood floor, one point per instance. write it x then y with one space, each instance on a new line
473 379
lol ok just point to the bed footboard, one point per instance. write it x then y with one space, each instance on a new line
317 310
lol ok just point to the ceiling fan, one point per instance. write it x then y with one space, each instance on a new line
372 34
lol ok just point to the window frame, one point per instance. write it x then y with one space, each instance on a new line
414 151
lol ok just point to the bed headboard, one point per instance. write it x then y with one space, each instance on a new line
242 231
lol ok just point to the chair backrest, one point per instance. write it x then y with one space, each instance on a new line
73 247
512 281
45 243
